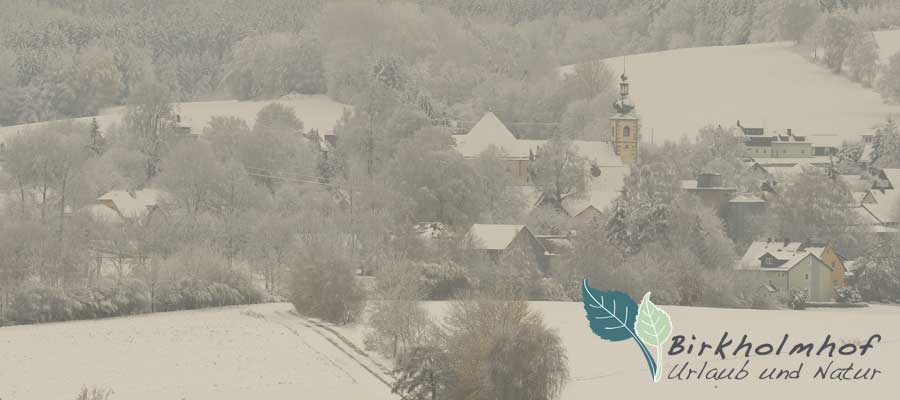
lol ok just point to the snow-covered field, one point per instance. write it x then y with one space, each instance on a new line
888 44
316 111
770 85
266 352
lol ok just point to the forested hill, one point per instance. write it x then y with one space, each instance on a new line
67 58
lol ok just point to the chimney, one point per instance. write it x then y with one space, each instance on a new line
739 124
789 132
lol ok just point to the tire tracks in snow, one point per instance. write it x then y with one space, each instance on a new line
340 342
305 343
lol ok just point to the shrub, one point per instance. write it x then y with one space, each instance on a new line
502 350
877 279
848 294
94 393
41 303
397 326
198 278
444 281
798 299
548 289
192 293
734 289
323 286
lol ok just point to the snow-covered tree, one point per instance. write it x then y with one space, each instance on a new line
886 148
889 83
559 171
862 58
423 373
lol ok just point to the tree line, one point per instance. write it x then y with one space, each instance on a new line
64 59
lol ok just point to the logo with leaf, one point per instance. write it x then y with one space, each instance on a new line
614 316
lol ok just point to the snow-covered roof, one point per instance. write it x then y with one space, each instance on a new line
757 249
125 204
490 131
892 175
493 236
598 199
790 161
790 262
886 205
816 251
747 198
556 244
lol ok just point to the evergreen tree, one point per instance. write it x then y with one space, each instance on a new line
886 149
96 141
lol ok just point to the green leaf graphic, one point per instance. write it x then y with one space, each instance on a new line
653 327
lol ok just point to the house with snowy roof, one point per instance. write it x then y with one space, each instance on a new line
497 242
785 266
127 205
607 175
882 202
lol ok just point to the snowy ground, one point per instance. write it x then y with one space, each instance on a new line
260 352
679 91
888 44
266 352
316 112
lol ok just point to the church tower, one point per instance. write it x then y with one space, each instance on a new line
625 126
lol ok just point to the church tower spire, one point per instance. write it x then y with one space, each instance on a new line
624 124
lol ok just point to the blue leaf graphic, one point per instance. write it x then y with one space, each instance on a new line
612 316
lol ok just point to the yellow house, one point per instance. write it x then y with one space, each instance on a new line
784 266
832 259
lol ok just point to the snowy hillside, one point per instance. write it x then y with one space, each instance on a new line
769 85
266 352
888 44
316 112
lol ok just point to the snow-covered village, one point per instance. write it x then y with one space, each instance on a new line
449 199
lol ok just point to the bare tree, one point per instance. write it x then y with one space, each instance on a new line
151 120
559 171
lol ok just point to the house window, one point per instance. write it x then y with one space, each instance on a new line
626 131
807 276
